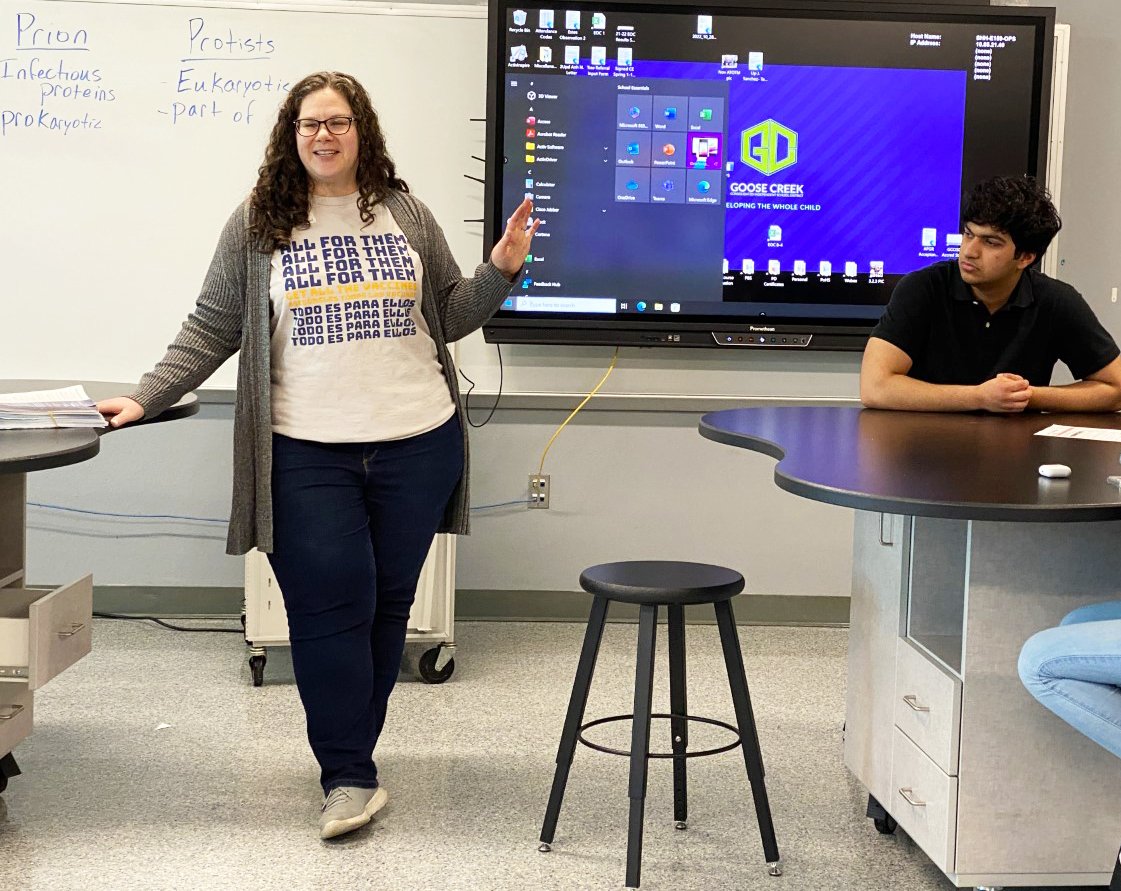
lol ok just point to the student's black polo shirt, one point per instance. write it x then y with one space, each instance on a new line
952 339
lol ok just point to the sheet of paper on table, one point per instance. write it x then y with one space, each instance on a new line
1064 432
49 409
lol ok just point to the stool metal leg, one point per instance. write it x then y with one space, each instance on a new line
678 699
581 686
745 720
640 737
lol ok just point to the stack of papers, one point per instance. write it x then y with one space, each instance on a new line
49 409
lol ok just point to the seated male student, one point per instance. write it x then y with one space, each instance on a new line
984 332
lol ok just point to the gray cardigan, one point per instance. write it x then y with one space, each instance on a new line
232 313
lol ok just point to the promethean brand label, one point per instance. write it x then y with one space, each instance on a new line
769 147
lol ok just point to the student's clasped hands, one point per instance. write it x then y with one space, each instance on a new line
1006 392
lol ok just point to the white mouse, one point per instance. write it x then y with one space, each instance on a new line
1054 471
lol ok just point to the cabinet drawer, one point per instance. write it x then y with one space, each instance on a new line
924 801
42 633
15 715
928 706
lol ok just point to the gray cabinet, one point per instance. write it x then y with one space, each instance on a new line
995 789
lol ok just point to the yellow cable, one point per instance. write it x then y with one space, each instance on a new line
606 374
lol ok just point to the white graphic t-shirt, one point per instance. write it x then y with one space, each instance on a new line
352 358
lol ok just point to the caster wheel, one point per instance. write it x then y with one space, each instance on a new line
427 667
257 667
885 825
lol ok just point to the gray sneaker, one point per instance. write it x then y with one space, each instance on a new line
348 807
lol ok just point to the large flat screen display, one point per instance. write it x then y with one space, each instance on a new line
744 176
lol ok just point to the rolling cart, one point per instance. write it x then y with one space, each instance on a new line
430 622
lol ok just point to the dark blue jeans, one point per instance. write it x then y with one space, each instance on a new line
352 526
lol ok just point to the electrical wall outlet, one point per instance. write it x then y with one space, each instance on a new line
539 490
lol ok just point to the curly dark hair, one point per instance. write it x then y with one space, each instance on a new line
1017 205
279 202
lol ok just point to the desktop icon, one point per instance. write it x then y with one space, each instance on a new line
705 114
632 185
530 146
799 267
508 303
850 269
572 55
704 24
774 267
633 148
519 18
876 269
530 133
529 182
825 269
529 159
929 239
675 307
625 56
545 54
953 239
729 60
526 282
529 258
531 120
774 232
640 306
668 185
755 63
572 20
725 265
518 53
669 149
545 19
599 21
634 112
670 113
704 187
748 267
599 55
658 307
703 146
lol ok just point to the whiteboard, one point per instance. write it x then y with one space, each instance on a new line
130 131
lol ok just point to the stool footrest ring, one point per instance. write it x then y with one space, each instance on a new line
664 716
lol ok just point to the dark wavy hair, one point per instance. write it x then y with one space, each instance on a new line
1019 206
279 202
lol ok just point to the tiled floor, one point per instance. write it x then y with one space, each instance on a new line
156 765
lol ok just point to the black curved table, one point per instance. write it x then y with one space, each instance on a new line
961 551
25 451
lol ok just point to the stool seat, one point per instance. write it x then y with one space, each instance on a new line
662 582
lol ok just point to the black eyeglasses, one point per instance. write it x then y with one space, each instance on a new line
336 126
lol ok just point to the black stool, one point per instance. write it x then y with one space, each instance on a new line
651 584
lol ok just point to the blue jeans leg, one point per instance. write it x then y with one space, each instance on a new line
1075 671
347 592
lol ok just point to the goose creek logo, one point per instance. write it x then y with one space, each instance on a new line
769 147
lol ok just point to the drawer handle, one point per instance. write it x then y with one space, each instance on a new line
912 700
15 710
74 629
907 792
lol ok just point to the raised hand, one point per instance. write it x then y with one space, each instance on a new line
510 252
